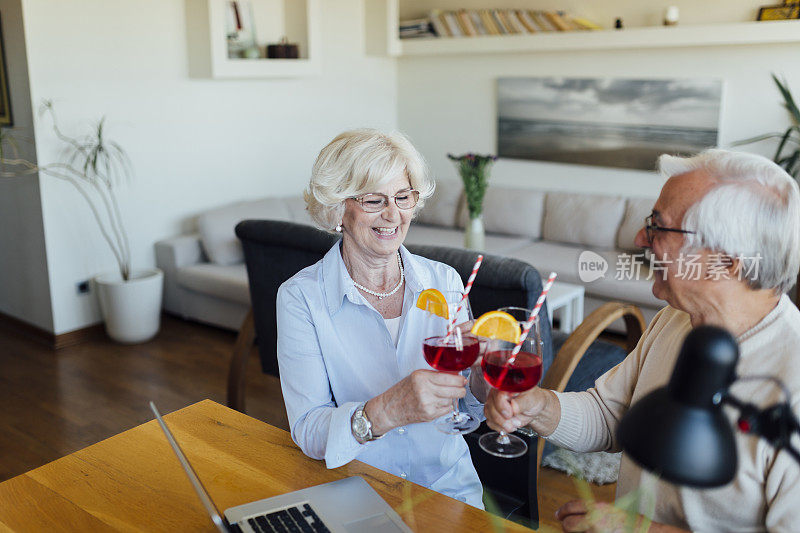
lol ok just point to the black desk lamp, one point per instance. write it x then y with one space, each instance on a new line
680 432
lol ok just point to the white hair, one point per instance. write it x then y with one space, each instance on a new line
356 162
752 213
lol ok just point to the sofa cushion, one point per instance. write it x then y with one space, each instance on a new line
226 282
636 209
454 238
442 209
216 226
298 212
585 219
513 211
563 259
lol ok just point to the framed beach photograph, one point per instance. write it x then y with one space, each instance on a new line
6 118
610 122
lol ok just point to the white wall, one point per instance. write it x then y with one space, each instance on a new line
194 143
24 286
448 104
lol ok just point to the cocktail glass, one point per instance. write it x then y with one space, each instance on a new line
511 374
450 348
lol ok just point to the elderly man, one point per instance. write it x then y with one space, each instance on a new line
737 217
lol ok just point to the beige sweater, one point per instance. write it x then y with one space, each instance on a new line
765 494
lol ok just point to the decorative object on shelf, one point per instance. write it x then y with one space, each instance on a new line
790 9
283 50
130 300
6 118
787 154
474 171
618 24
671 16
240 29
611 122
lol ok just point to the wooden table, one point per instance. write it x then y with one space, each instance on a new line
133 481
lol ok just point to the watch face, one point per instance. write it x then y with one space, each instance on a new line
360 426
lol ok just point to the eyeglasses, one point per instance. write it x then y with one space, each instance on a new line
651 227
375 201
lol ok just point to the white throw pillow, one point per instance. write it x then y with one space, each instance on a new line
442 208
636 209
585 219
513 211
216 227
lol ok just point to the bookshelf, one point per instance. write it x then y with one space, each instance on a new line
383 38
207 44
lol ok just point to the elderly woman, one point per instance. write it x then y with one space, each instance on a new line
353 375
736 218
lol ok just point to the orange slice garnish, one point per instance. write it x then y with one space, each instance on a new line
497 325
433 301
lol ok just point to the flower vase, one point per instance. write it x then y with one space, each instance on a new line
474 235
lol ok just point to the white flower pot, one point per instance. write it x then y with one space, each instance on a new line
131 309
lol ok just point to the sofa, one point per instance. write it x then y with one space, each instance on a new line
205 277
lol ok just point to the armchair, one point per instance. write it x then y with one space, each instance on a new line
275 250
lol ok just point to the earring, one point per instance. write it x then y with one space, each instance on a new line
338 228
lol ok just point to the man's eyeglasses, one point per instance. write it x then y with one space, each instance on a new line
650 227
375 201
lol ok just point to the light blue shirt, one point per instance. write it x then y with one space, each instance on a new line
335 352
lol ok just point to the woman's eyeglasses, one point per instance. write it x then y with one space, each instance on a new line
374 201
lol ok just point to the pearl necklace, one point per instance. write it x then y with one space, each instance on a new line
382 295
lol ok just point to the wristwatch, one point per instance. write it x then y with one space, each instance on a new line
361 426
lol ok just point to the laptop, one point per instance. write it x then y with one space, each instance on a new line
348 505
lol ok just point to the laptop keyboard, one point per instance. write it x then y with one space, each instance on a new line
298 519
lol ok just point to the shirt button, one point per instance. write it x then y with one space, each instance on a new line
401 431
403 475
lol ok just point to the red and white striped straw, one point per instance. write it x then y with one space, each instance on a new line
468 288
534 313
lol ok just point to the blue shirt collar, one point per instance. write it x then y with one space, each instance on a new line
338 285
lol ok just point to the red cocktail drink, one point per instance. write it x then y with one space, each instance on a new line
521 375
443 353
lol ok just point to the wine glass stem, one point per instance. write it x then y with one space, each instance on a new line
456 414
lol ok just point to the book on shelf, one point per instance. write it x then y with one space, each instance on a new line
504 30
452 24
477 22
465 22
525 21
439 27
488 22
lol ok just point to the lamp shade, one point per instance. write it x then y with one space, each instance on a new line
679 431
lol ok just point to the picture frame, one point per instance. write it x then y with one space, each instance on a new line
6 118
787 11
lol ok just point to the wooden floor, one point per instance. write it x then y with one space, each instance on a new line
57 402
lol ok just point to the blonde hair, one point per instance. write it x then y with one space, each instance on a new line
357 162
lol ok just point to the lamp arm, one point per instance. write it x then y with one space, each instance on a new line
776 424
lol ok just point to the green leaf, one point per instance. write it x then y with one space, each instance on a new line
789 102
782 144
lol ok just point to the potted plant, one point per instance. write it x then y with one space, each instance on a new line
787 154
474 172
130 300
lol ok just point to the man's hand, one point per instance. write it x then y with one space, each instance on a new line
422 396
599 517
537 407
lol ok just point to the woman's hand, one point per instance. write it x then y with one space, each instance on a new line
422 396
537 407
